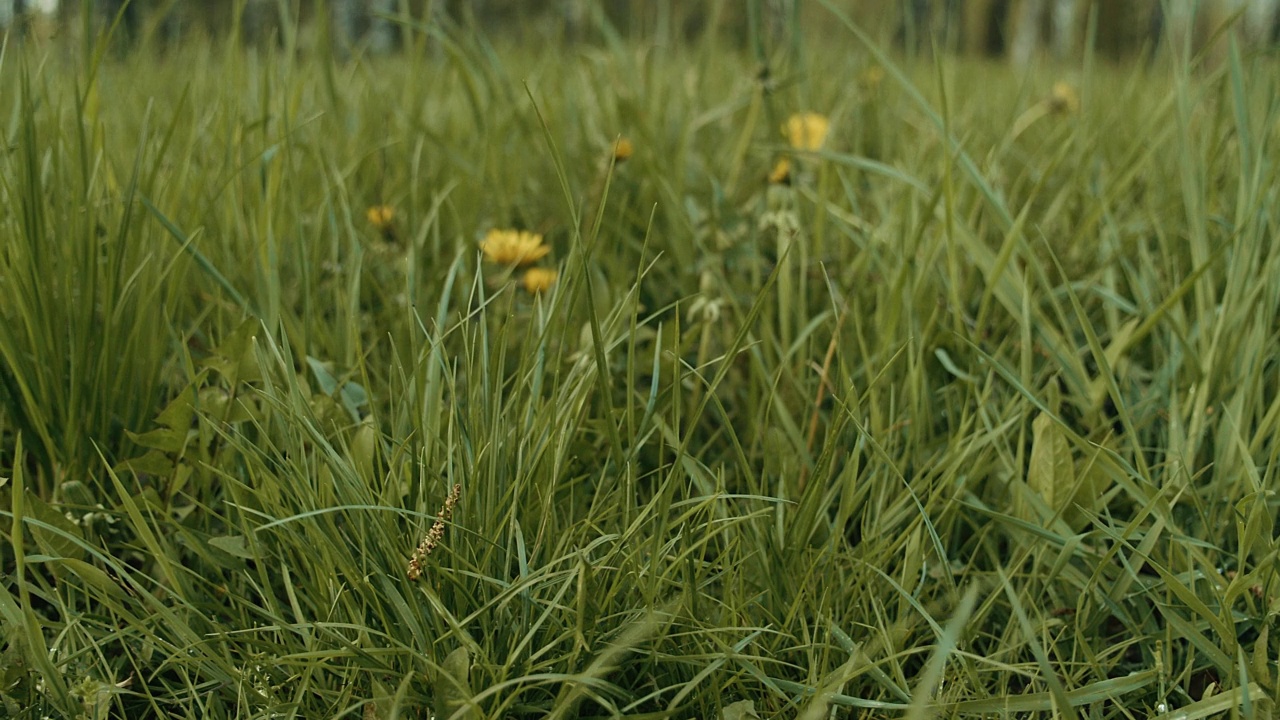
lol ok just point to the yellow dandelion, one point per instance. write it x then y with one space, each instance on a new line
381 217
622 150
781 172
806 131
513 247
1063 99
538 280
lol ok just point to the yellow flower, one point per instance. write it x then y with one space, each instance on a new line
1063 100
781 172
538 280
806 131
513 247
380 216
622 150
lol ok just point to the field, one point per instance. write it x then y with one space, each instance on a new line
868 386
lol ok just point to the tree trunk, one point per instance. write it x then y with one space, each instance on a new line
1024 32
1066 28
344 18
382 31
261 19
1260 21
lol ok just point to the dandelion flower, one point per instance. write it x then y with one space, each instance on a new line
781 172
513 247
538 280
806 131
380 216
622 150
1063 100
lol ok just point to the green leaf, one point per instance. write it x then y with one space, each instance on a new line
153 462
354 398
180 411
352 395
235 359
741 710
1052 471
328 383
232 545
93 576
453 687
163 439
59 542
75 492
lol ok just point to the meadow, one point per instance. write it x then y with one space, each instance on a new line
639 379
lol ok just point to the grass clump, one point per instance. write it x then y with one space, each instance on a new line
970 411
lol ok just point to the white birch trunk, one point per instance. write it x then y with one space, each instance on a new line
344 17
1066 28
1260 21
382 31
1026 32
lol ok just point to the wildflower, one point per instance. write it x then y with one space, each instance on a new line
513 247
434 535
781 172
380 216
538 280
1063 99
806 131
622 150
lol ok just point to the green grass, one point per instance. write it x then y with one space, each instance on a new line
962 422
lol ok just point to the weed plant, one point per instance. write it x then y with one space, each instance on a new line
967 408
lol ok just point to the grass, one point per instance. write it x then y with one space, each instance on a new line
975 417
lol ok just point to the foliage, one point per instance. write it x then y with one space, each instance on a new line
971 412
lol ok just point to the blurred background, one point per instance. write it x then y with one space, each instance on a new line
1016 30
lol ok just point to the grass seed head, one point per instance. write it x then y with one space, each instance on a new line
434 536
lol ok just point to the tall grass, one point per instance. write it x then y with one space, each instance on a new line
975 416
